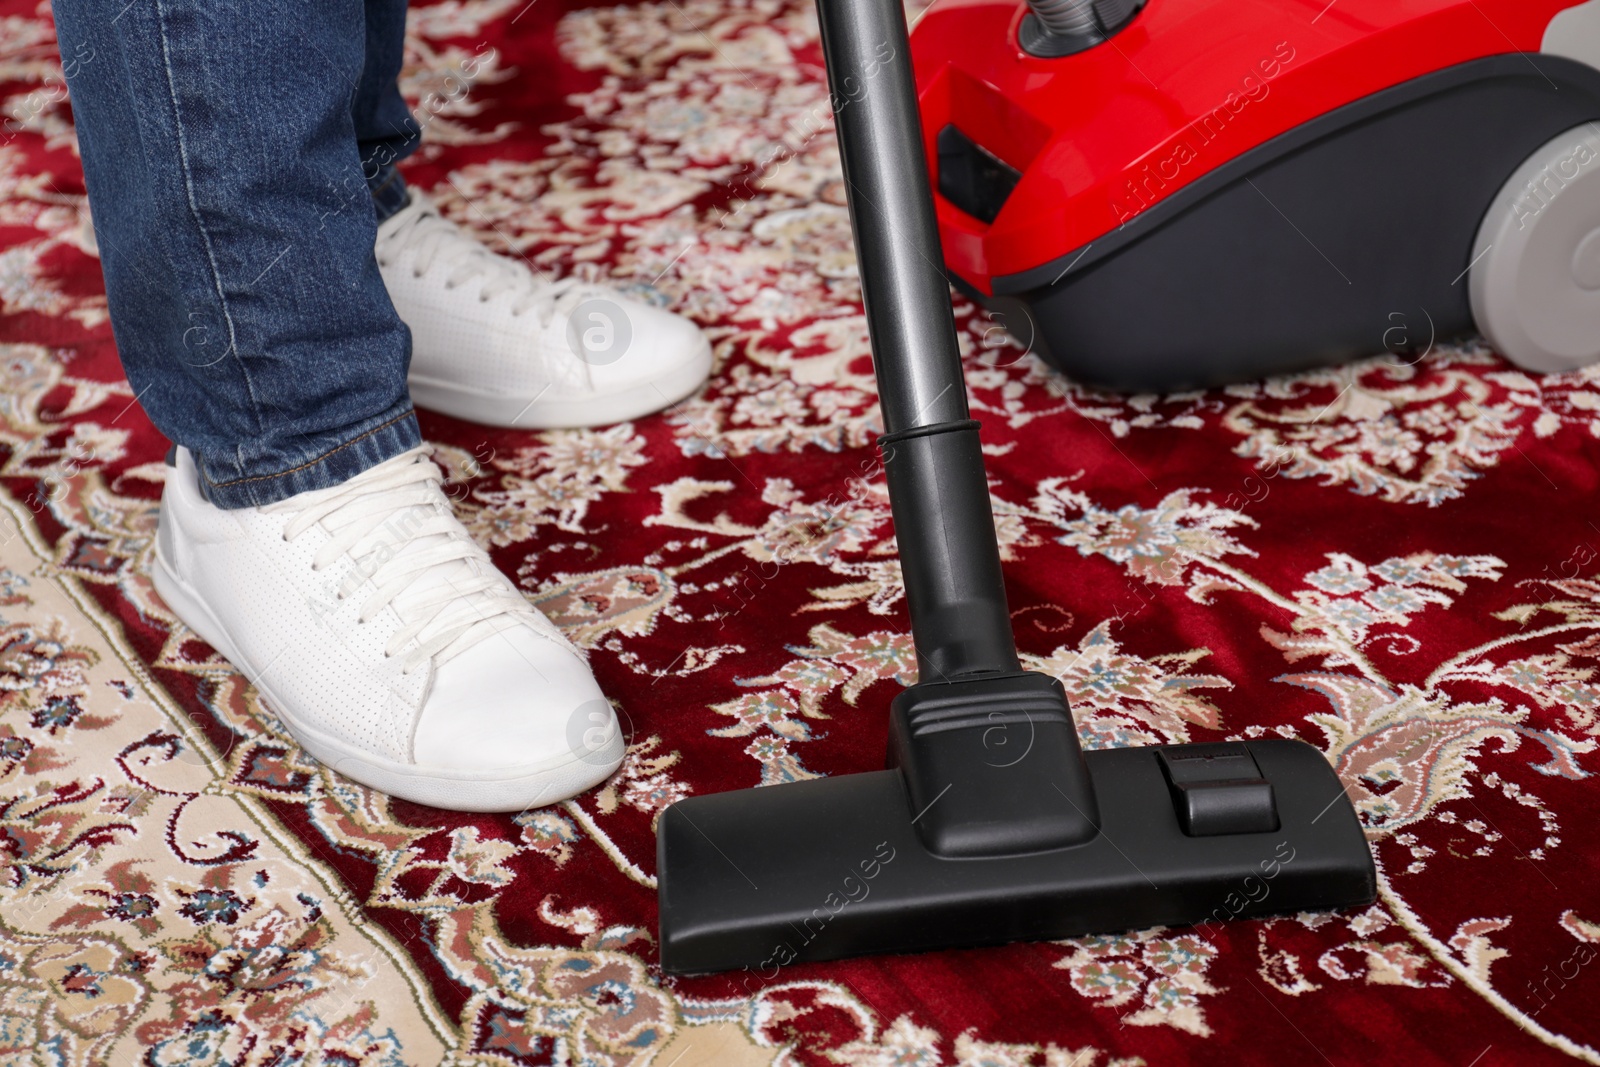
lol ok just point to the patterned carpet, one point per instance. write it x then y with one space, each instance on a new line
1394 562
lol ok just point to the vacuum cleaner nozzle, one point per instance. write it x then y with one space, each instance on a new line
836 867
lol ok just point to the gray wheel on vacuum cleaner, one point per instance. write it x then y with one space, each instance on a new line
1535 268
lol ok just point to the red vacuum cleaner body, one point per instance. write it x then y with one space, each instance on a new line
1212 190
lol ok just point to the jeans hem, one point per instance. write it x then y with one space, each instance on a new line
383 438
389 194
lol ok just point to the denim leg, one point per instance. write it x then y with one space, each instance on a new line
385 128
236 235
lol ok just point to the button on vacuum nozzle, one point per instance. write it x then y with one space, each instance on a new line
1218 789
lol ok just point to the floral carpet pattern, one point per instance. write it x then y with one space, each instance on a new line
1397 561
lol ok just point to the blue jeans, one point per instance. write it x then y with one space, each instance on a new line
237 155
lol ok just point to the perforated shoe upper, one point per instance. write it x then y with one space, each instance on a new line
487 323
365 614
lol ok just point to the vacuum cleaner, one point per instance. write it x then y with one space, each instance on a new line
1185 193
990 824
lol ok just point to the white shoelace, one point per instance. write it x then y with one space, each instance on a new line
396 526
437 242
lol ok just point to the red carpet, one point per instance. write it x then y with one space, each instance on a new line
1395 563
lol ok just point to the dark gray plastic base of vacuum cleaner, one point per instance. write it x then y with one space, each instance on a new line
834 867
1210 286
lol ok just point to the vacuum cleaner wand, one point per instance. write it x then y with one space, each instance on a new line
940 495
990 824
987 737
915 353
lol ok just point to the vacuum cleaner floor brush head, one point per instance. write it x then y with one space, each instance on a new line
834 867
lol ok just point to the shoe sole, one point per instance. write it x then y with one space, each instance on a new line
526 413
501 790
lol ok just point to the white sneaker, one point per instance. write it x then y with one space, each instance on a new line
386 641
492 344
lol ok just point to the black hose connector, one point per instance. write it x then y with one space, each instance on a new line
992 766
948 554
1054 28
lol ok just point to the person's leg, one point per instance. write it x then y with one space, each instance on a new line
236 235
303 531
386 132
